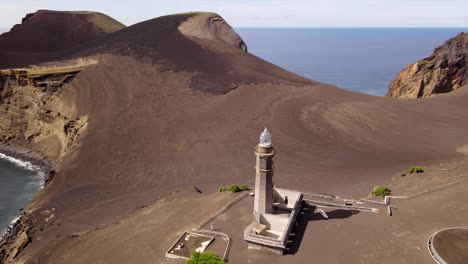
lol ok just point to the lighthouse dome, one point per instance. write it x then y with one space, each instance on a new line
265 138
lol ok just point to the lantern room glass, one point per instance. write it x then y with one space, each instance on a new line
265 138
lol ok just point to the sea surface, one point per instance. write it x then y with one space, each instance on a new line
19 182
365 60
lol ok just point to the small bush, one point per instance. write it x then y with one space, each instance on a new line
205 258
381 191
234 188
222 189
403 174
415 169
244 188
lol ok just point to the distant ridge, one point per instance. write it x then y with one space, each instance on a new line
45 32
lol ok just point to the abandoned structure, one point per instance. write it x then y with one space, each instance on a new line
188 241
275 210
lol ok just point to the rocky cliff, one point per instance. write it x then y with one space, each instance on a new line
444 71
38 109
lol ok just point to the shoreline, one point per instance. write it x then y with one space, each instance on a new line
31 161
17 232
25 155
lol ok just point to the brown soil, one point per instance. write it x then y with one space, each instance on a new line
166 110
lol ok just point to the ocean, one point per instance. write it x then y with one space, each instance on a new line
19 182
364 60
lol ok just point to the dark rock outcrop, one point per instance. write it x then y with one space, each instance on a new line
211 26
444 71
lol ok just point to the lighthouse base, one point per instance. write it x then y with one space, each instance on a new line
271 231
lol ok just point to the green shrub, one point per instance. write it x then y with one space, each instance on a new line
381 191
234 188
205 258
222 189
415 169
244 188
403 174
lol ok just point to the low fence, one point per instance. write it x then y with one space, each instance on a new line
339 206
216 233
222 210
411 196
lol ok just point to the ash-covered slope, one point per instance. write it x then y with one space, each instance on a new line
444 71
44 33
200 43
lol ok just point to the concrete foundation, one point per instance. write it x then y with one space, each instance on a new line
271 232
279 251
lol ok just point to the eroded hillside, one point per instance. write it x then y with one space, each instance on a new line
38 108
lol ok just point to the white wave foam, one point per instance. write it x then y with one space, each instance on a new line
23 164
12 223
15 220
26 165
38 173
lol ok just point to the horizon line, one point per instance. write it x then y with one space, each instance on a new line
6 29
353 27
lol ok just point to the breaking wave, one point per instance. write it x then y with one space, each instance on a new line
27 166
9 227
39 176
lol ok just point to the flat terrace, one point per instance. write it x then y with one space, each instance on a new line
47 70
45 77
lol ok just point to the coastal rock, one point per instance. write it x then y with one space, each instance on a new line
444 71
15 239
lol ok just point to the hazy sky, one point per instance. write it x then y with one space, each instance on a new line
266 13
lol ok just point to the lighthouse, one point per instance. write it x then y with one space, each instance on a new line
264 152
275 210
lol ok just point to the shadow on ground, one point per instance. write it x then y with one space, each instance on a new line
308 213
